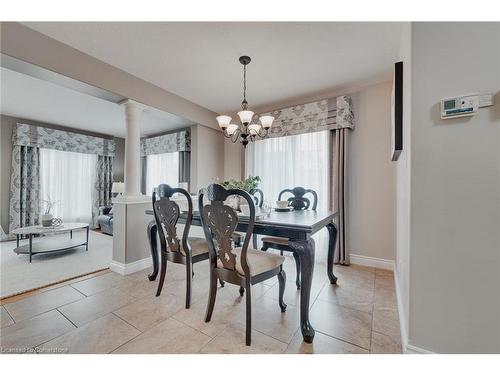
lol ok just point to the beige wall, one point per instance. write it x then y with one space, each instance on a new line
7 124
372 181
207 157
455 192
233 160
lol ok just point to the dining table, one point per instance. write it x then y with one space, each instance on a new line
298 227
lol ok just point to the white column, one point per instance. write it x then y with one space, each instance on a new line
130 241
132 168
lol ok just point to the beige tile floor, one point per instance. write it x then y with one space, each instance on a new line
109 313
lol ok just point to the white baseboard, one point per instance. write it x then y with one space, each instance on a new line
128 268
363 260
411 349
402 319
407 347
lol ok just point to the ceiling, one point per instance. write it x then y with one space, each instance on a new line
32 98
199 60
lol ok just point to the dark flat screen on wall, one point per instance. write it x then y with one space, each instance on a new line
397 112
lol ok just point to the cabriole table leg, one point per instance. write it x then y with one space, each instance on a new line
305 250
332 241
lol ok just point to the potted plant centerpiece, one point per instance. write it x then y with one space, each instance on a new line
249 184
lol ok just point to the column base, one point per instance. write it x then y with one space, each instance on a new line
130 240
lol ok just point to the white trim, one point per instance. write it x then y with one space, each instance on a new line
128 268
407 348
411 349
402 319
363 260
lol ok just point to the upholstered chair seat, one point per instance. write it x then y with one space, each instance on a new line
258 261
198 245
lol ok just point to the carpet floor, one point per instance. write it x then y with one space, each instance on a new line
18 275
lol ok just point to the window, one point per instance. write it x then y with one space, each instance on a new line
286 162
296 160
162 169
68 178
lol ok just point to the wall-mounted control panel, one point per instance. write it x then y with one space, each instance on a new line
464 105
459 106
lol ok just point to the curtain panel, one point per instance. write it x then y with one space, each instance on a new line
38 136
339 191
326 114
24 187
162 144
184 166
102 186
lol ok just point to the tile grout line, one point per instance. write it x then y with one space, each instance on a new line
57 308
83 294
44 312
130 324
8 313
343 340
54 308
177 320
126 342
62 334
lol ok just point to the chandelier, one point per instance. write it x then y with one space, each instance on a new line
246 131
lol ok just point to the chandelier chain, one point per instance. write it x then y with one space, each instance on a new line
246 131
244 85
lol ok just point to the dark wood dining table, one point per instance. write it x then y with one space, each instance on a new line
298 227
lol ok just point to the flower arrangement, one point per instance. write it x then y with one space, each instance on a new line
249 184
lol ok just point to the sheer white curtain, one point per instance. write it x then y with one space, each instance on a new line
68 178
286 162
296 160
162 169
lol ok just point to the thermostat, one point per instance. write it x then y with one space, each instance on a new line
460 106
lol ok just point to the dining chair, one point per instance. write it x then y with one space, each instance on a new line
241 266
188 250
258 196
298 201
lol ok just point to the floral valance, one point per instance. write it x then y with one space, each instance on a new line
326 114
38 136
173 142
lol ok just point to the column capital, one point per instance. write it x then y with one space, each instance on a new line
132 104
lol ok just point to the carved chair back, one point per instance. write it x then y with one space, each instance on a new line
219 223
298 200
167 214
258 196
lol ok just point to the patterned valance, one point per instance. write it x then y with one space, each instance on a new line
173 142
326 114
38 136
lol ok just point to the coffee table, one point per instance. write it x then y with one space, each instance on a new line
54 245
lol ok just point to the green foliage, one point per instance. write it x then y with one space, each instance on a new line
248 185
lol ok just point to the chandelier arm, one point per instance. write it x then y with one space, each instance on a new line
235 136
